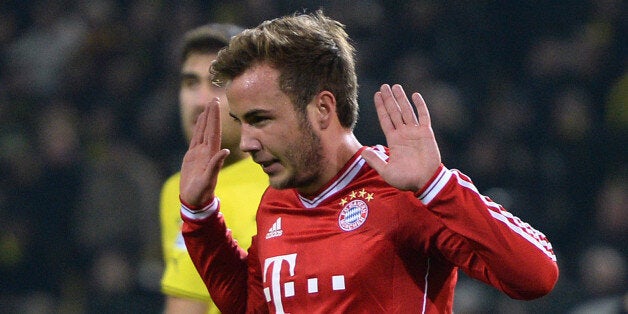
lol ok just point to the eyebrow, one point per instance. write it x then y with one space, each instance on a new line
250 114
188 75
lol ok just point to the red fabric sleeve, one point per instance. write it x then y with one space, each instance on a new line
221 263
256 302
487 242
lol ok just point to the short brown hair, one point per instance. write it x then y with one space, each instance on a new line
208 38
312 53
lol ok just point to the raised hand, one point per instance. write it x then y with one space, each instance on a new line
204 158
414 155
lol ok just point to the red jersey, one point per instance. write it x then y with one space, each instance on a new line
363 246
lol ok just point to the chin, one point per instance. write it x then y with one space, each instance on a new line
279 185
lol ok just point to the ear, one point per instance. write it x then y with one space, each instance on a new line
323 109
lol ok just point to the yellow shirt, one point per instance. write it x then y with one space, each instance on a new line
240 188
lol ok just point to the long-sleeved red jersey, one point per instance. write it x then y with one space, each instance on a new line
363 246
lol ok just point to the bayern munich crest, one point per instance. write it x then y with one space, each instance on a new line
353 215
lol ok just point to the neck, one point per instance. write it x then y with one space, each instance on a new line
336 153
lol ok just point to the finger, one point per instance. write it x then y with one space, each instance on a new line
374 160
215 164
211 174
212 131
382 115
199 129
407 114
421 108
390 103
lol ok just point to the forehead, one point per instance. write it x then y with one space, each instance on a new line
257 78
198 61
257 89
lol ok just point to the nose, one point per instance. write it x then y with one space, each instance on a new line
248 141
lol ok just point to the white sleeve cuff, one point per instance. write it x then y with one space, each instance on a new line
436 186
201 213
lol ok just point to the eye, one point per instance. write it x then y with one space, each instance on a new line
189 82
258 120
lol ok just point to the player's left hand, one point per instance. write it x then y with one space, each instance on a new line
414 155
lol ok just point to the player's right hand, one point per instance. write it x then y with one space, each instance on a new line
204 158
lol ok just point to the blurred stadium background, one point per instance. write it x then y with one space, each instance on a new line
529 98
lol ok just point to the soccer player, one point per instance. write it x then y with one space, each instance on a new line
241 180
342 227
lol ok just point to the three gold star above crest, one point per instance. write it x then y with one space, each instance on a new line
355 194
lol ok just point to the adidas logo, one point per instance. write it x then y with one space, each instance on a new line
275 230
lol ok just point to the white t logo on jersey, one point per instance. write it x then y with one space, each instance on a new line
275 263
274 292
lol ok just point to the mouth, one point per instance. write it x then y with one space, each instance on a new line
269 166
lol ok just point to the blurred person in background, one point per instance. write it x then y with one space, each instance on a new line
242 180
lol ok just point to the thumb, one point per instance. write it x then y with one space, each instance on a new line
214 166
374 160
216 162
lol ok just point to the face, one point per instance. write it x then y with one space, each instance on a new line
281 140
196 91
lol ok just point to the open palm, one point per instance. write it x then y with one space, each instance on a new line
414 155
204 158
